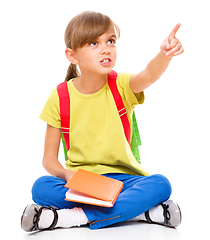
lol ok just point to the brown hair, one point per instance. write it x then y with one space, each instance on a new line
86 27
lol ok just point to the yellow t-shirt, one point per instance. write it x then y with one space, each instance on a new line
97 140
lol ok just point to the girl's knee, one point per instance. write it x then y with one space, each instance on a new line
44 185
38 186
164 185
50 191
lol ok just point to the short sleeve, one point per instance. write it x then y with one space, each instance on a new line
126 92
51 111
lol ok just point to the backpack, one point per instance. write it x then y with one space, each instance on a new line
64 100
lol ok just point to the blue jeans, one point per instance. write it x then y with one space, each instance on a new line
138 195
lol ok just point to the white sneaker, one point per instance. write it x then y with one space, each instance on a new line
171 213
31 216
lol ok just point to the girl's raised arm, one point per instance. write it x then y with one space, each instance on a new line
170 47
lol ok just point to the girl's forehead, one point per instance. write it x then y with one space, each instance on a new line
109 34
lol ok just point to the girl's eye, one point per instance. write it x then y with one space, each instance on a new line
111 41
93 44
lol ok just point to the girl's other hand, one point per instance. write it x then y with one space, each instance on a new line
69 174
171 46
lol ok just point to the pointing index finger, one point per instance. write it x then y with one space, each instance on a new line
175 29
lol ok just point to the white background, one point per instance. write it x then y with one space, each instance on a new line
173 121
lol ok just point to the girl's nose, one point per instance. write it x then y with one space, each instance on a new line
105 51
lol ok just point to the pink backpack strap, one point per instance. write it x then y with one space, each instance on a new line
112 77
64 99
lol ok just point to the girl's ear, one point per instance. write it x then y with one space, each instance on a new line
71 56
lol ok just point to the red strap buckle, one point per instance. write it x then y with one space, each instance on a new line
122 112
64 130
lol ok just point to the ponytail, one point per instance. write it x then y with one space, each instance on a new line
72 72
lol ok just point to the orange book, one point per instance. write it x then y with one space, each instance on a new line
91 188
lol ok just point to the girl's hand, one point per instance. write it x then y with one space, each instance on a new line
171 46
69 174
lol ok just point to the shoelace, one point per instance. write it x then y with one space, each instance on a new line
166 214
37 218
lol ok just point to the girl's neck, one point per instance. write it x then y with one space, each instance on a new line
90 84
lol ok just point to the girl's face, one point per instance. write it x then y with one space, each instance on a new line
98 57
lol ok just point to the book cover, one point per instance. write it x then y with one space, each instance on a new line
91 188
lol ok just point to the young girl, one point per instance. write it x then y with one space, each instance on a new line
97 140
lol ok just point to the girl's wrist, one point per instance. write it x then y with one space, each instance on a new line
163 54
68 174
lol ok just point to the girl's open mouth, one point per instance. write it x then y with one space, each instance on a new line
106 62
